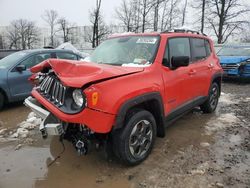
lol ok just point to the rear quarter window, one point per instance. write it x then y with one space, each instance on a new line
208 47
199 50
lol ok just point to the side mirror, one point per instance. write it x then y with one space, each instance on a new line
20 68
165 62
180 61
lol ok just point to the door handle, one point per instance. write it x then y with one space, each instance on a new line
192 72
210 65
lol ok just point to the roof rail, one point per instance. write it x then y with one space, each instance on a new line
184 31
48 47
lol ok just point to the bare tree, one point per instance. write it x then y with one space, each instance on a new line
94 19
146 5
125 13
226 17
50 17
129 14
203 15
184 12
32 34
66 28
156 14
13 35
99 28
136 4
22 34
170 16
136 14
200 8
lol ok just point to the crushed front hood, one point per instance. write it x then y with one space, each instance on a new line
78 73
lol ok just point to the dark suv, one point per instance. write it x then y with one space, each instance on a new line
126 93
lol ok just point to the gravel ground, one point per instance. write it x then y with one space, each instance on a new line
199 150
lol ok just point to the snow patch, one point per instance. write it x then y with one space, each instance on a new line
23 129
221 122
3 131
135 65
247 99
227 98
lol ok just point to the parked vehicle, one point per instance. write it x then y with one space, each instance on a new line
4 53
130 89
235 60
15 71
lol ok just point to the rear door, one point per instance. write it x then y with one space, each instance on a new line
202 64
18 82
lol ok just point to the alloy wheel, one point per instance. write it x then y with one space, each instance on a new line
140 138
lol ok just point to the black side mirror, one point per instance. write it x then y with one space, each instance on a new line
20 68
180 61
165 62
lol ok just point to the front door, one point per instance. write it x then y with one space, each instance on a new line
178 82
18 82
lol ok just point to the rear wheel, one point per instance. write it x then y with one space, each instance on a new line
211 103
1 100
134 142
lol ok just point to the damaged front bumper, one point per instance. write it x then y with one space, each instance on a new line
50 124
78 134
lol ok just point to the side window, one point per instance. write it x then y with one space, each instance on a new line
69 56
179 47
208 48
198 49
35 59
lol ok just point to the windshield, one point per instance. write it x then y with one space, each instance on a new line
11 59
126 51
234 51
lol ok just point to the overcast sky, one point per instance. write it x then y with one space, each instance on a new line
76 11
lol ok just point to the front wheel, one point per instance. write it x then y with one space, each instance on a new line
134 142
211 103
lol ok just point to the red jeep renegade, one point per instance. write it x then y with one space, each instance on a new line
127 91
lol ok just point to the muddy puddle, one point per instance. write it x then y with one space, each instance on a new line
12 114
28 166
199 150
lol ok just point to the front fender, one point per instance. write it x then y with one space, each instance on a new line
133 102
4 88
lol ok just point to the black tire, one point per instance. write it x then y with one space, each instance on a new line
134 142
211 103
1 100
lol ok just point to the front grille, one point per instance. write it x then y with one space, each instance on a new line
227 67
52 89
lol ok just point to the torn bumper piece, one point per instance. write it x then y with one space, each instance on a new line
50 124
97 121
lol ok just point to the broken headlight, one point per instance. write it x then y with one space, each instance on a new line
79 97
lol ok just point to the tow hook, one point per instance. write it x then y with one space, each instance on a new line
81 148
